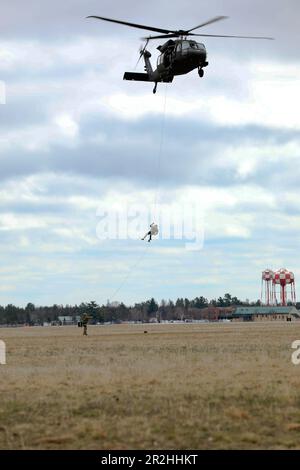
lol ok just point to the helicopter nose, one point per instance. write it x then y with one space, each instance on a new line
201 50
199 53
203 55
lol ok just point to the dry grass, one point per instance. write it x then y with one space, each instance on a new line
207 386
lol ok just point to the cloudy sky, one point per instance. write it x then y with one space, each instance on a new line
75 139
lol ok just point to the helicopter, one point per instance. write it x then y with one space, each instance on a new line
177 57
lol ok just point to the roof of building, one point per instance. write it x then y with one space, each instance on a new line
271 310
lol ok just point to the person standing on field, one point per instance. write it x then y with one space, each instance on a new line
84 320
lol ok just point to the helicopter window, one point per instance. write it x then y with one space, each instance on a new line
160 59
194 45
185 45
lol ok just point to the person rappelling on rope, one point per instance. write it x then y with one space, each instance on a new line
152 232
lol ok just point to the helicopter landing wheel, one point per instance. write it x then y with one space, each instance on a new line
200 72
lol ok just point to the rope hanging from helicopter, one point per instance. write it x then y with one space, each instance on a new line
156 196
129 274
197 53
160 151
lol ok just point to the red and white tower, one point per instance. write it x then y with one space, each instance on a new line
283 277
267 287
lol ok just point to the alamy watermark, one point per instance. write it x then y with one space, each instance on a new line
296 354
2 353
2 92
130 221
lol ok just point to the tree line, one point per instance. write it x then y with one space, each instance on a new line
181 309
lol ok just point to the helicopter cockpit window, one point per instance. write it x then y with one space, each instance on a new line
185 45
160 59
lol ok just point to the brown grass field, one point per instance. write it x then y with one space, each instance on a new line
180 386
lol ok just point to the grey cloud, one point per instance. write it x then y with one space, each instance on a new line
191 153
127 158
22 112
66 19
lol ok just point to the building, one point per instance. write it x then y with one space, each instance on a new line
270 313
68 320
211 313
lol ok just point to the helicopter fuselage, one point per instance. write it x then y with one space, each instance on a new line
176 58
180 57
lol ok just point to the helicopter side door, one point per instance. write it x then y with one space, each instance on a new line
164 60
178 51
160 62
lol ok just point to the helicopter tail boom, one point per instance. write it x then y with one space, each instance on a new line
150 76
142 77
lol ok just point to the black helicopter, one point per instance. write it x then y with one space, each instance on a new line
176 57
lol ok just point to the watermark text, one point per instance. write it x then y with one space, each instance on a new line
2 92
130 221
296 354
2 353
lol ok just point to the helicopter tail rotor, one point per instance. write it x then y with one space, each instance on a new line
141 52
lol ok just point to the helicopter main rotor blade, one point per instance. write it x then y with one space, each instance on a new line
213 20
163 36
166 36
175 34
226 36
133 25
